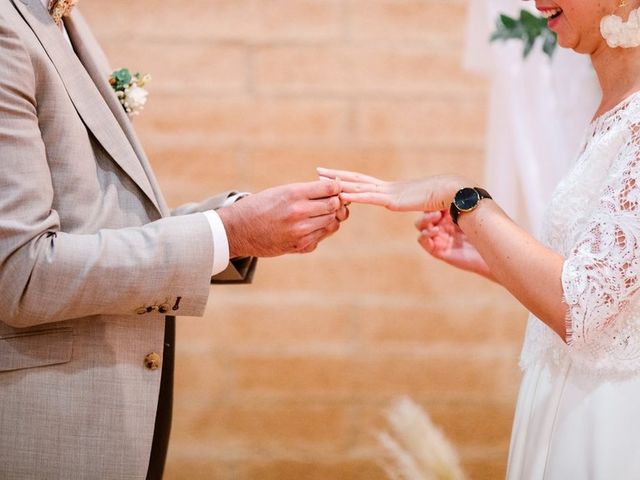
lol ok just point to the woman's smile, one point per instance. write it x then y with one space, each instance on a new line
551 13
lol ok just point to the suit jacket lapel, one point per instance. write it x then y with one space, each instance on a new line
98 68
85 95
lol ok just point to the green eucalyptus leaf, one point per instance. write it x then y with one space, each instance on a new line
528 46
527 28
508 22
549 44
529 20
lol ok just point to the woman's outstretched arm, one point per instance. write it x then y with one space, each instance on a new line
515 259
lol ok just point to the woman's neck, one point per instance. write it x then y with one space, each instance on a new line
618 71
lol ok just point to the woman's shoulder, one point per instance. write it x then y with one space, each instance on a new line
616 128
624 114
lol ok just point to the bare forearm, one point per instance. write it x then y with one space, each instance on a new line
525 267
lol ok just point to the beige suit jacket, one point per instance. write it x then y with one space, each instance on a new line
87 246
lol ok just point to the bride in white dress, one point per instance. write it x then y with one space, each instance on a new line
578 411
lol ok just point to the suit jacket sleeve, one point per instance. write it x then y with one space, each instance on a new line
240 270
49 275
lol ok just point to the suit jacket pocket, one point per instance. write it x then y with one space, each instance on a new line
35 348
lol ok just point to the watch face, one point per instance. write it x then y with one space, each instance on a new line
466 199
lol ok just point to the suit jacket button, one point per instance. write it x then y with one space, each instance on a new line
152 361
141 310
164 308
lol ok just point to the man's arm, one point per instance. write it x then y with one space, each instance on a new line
49 275
236 270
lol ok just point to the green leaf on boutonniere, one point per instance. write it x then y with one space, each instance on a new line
120 79
528 28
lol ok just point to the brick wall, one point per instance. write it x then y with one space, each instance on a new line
286 379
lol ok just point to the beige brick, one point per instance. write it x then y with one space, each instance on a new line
191 118
188 467
191 173
495 322
486 468
197 68
339 468
466 425
299 20
268 428
283 164
199 374
433 161
362 71
440 21
278 325
223 20
447 121
194 19
400 267
272 164
490 377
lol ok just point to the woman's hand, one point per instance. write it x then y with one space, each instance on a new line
431 194
444 240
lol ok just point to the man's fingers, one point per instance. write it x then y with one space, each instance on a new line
342 214
309 249
322 206
313 224
321 189
318 235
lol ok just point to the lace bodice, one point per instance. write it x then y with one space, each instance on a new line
593 220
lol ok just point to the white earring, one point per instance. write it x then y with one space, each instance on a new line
621 34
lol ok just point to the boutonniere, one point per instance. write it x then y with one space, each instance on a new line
130 90
61 8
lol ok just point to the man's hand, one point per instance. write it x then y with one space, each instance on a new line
286 219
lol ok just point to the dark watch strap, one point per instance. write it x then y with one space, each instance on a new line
454 211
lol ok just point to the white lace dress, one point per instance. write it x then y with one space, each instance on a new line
578 411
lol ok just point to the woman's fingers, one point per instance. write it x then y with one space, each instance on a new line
433 246
370 198
347 175
439 239
356 187
426 243
428 218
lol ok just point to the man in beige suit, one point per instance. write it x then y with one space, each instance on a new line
92 261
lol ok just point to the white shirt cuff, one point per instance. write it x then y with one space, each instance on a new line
220 242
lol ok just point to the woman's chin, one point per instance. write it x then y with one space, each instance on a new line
569 43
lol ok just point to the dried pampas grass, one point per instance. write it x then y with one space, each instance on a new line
415 449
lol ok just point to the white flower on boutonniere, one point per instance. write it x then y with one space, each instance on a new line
130 90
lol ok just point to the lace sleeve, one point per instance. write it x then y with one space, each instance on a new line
601 273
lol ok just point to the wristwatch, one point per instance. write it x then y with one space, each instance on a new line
466 200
